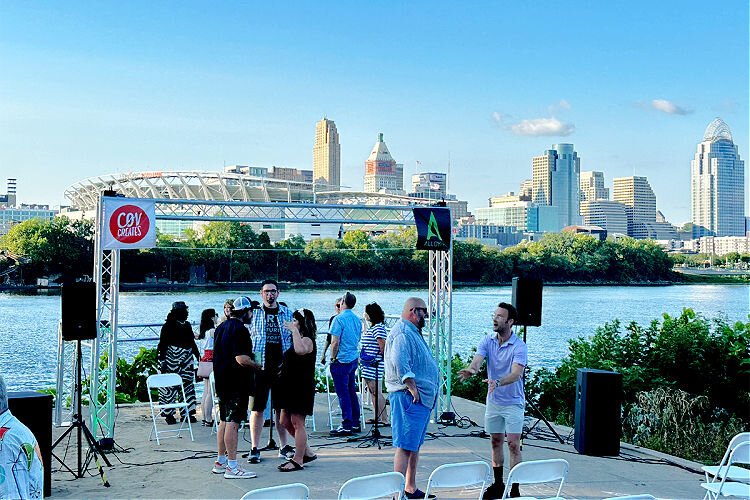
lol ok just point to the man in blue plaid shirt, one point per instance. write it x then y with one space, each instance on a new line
271 339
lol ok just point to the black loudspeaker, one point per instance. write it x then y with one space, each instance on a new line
34 410
527 299
597 419
79 311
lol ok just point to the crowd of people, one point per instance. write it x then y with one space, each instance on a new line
263 356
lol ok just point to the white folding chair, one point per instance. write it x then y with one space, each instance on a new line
215 399
717 472
538 471
384 485
164 380
462 474
739 455
294 491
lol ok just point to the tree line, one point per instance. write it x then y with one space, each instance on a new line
229 251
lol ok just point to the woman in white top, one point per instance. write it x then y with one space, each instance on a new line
206 346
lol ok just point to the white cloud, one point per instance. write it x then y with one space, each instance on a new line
542 126
669 107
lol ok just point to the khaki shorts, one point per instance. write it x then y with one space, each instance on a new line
499 419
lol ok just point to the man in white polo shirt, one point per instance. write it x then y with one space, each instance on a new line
506 359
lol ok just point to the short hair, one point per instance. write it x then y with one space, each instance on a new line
375 313
269 282
3 395
349 299
512 312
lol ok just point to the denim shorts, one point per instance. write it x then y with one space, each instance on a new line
409 421
499 419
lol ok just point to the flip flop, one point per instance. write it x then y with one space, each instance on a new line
295 466
307 459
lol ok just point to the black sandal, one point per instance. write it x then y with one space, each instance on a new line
309 458
295 466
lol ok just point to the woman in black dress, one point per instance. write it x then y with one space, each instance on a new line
297 387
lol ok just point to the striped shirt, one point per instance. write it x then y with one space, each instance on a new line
371 347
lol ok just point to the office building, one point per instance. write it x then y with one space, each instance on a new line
592 186
640 202
555 182
525 189
327 156
382 173
609 215
717 184
432 184
9 216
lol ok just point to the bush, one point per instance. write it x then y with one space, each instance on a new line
695 369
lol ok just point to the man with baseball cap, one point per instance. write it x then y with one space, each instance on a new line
234 372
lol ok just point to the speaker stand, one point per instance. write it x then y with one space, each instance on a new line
540 416
94 451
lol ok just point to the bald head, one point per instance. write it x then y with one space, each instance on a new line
415 311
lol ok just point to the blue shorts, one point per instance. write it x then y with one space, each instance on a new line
409 421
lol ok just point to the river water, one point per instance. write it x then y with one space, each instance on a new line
28 323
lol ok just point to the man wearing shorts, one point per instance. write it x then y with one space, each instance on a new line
413 380
271 339
506 359
234 370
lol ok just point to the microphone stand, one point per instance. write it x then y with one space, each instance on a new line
374 436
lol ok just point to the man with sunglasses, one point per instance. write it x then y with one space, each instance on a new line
346 331
413 380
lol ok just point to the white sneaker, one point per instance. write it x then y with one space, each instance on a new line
219 468
238 473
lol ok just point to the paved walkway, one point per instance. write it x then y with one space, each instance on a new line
179 468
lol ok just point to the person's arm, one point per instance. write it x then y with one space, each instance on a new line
403 362
381 345
336 331
161 347
247 361
411 385
472 369
302 345
325 349
516 371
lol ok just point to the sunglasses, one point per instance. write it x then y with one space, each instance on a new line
417 309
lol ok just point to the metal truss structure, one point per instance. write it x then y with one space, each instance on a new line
440 308
107 276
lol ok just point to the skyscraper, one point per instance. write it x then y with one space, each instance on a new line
592 186
717 184
555 182
327 156
636 194
382 173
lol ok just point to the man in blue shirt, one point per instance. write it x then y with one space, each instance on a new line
346 331
506 358
412 378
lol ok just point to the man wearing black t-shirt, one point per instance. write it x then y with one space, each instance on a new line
270 340
234 369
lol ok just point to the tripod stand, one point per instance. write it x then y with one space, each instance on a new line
374 436
94 451
537 411
271 445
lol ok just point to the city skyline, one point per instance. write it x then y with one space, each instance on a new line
483 87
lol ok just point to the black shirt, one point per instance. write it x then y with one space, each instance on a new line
231 339
273 339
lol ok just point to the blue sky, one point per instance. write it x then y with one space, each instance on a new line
92 88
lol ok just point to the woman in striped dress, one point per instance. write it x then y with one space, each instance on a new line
373 345
176 353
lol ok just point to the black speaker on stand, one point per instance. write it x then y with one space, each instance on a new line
527 299
34 410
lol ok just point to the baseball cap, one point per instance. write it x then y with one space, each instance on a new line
242 303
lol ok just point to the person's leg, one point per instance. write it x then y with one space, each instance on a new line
231 431
222 448
300 437
496 441
259 405
401 460
370 383
411 471
282 431
514 450
207 405
382 413
353 388
340 375
256 427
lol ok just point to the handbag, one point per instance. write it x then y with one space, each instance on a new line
367 359
205 368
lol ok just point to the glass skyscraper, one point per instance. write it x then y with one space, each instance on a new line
717 185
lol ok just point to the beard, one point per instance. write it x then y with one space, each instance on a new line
420 324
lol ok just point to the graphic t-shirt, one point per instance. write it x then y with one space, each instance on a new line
273 339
